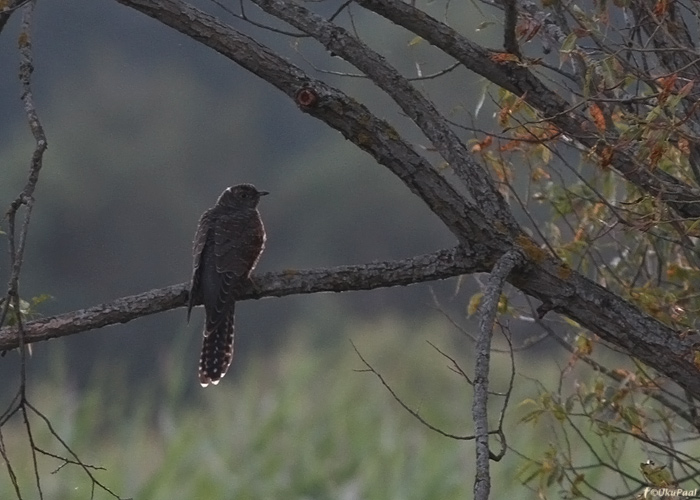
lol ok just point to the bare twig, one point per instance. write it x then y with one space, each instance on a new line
8 465
66 461
410 410
32 445
17 238
501 434
86 468
454 366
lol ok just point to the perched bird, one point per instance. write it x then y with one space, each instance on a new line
228 243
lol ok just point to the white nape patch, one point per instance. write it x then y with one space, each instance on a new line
228 189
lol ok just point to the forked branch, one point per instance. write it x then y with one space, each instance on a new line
487 315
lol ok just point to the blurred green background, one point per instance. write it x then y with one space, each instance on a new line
145 129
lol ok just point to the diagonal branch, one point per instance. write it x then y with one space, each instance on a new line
414 413
352 119
517 78
340 42
560 288
435 266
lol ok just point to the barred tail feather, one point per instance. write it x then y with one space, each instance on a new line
217 350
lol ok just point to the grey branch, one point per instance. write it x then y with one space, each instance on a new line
518 78
435 266
17 241
345 114
487 315
545 278
412 102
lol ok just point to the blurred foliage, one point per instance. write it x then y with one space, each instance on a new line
309 422
300 423
27 309
600 434
598 222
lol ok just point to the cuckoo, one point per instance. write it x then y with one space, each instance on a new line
228 243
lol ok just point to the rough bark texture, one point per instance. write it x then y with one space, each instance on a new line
543 277
517 78
480 222
439 265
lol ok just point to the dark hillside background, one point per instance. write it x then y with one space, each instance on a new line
145 129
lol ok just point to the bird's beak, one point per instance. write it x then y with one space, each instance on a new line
263 193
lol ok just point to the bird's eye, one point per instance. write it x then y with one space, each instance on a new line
245 195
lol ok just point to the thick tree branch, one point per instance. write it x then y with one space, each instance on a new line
347 115
561 289
340 42
435 266
609 316
518 78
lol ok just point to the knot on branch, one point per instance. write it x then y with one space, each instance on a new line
306 97
22 199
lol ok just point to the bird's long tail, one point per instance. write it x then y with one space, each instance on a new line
217 348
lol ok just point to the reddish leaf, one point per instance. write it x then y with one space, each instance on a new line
500 57
598 116
661 8
606 156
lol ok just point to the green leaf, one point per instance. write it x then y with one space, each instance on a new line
474 303
569 43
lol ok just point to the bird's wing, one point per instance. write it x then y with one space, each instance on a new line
239 239
200 239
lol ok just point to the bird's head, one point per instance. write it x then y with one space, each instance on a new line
240 195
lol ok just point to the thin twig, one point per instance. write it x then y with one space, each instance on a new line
85 467
8 465
410 410
66 461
